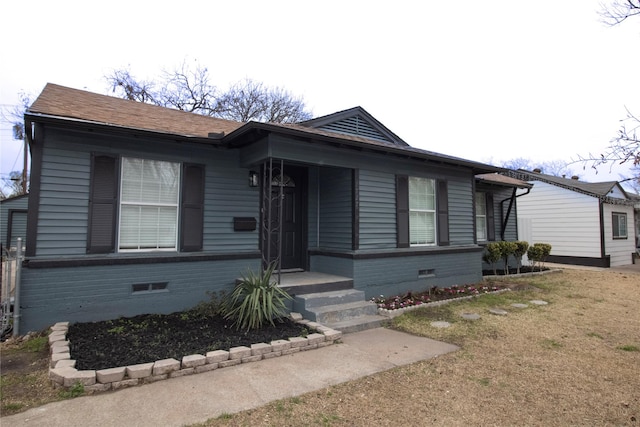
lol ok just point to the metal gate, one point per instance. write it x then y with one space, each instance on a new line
9 289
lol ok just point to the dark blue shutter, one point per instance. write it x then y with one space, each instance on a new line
192 209
103 203
443 213
491 222
402 211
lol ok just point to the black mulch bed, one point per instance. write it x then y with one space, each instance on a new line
150 337
500 271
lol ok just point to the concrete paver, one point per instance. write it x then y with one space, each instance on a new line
196 398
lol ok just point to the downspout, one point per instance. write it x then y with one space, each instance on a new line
512 201
603 248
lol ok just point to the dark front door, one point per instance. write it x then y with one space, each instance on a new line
289 241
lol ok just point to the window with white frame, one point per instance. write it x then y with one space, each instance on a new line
481 216
149 197
619 225
422 211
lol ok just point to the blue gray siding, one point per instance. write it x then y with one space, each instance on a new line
94 292
64 200
81 294
13 214
313 207
335 208
377 210
461 221
63 209
397 275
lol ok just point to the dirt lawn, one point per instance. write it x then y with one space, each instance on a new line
574 362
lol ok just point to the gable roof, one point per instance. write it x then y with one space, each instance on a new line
60 101
355 121
600 190
80 108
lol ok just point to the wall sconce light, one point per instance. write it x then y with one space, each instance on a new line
253 179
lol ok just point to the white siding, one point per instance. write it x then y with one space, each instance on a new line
568 221
619 250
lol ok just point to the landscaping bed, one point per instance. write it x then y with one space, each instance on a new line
433 295
150 337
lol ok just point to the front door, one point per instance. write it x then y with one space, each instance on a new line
291 249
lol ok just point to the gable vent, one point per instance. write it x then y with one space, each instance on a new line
356 126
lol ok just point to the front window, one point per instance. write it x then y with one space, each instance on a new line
619 225
481 216
149 205
422 211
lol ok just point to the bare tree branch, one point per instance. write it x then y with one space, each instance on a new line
189 90
623 148
618 11
128 87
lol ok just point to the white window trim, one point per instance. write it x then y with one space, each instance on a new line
481 218
428 211
122 203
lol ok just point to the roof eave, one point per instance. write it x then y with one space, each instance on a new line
83 124
239 138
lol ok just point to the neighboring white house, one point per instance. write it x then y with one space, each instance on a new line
586 223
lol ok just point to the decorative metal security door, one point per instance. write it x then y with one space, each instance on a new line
282 222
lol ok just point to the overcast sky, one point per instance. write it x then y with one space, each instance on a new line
482 80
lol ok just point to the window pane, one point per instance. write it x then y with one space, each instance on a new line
619 224
481 228
481 216
129 227
422 217
149 207
481 204
422 195
422 228
131 179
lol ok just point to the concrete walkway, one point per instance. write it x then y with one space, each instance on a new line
196 398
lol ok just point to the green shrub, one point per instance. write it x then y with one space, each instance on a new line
538 253
256 300
492 255
506 250
521 249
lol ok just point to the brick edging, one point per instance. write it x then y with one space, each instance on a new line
62 371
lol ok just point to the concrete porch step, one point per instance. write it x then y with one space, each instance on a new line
312 282
330 314
358 324
320 299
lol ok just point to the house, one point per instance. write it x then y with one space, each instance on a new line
586 223
13 221
136 208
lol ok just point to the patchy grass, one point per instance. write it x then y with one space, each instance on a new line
24 382
572 362
536 366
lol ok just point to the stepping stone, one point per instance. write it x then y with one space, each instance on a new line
538 302
498 311
518 305
470 316
440 324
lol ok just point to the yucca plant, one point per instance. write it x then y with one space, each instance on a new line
256 300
